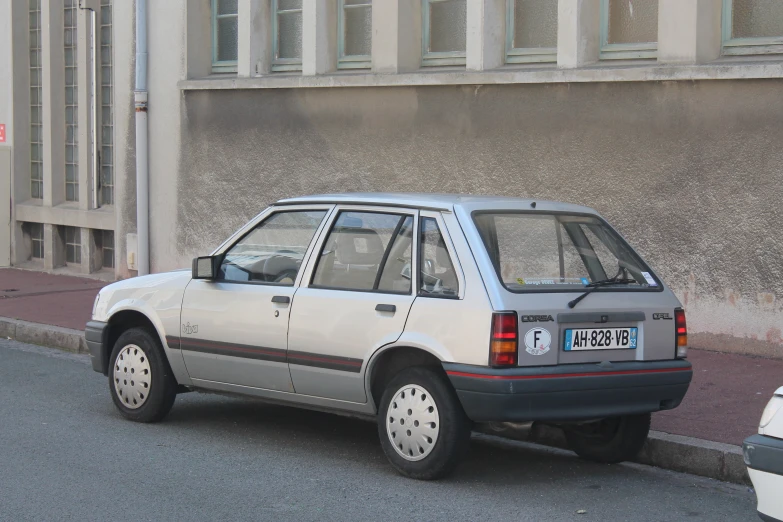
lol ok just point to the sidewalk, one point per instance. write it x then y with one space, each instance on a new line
38 297
723 404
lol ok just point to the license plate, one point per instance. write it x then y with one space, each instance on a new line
600 339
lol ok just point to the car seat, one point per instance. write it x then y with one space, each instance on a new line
360 251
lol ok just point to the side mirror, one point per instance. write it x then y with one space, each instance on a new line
206 267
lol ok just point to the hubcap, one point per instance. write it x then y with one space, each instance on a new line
412 422
132 376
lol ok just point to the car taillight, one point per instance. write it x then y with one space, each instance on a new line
504 339
681 332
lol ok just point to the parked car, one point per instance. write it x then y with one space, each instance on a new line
764 457
425 312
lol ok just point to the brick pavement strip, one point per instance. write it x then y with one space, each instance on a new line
43 298
674 452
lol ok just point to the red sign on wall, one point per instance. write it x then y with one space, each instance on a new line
2 132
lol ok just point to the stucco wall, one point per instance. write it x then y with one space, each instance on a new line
690 172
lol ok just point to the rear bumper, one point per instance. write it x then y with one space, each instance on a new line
764 458
95 335
764 453
569 392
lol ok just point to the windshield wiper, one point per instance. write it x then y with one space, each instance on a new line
616 280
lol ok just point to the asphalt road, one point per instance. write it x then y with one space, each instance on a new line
66 454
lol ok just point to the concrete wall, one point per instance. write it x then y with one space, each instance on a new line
167 62
6 118
690 172
124 131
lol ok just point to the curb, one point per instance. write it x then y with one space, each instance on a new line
65 339
673 452
705 458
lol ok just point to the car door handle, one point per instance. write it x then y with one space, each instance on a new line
283 299
385 308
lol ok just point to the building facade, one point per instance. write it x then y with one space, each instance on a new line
665 115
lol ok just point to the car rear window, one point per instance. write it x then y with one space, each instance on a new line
540 251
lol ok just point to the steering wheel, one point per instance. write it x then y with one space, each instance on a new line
287 277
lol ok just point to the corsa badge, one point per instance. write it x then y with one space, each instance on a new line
537 341
535 318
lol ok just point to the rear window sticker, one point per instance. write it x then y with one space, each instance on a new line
543 281
649 279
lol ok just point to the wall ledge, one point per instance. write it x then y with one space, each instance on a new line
616 72
31 211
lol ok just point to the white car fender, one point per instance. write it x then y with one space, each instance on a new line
159 299
403 342
173 354
421 341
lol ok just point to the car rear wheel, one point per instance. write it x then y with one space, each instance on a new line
610 440
141 383
422 427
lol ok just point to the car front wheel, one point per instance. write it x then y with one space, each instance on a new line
422 427
140 380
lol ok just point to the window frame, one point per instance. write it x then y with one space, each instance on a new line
350 61
524 54
283 64
444 232
747 45
106 107
627 51
225 66
484 252
75 244
104 234
29 229
35 77
71 126
312 267
441 58
253 224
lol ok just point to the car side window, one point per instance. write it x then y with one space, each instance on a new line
438 277
367 251
396 273
273 251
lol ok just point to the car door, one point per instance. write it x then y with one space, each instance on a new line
234 328
357 298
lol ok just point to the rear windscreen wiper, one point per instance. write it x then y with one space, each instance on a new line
598 284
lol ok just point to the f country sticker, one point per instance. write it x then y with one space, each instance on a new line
537 341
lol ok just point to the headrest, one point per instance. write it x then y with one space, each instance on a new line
358 246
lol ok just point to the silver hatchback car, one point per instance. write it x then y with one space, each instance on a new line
426 312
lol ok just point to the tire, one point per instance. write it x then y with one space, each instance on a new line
436 451
141 383
610 441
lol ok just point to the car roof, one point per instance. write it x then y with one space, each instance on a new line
441 202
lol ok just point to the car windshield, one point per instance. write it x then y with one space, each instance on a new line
539 251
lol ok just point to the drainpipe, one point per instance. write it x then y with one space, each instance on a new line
142 164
